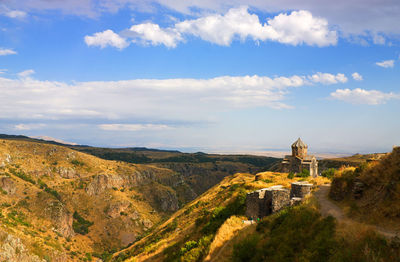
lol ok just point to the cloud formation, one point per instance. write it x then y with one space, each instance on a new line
134 127
24 127
4 52
328 79
106 38
296 28
28 98
26 73
4 10
386 64
356 76
362 96
377 21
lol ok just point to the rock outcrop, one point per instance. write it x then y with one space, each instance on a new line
13 250
7 184
61 218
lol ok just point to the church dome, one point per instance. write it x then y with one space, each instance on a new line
299 144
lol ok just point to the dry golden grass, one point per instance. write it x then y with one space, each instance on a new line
43 161
224 234
214 197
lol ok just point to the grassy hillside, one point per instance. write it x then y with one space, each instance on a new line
371 192
199 170
196 232
66 205
350 161
300 233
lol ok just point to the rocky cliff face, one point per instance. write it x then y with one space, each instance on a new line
13 250
61 218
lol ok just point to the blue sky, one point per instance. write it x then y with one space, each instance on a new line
215 76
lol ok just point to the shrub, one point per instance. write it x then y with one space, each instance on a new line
21 174
220 214
80 225
304 173
290 175
244 251
329 173
76 162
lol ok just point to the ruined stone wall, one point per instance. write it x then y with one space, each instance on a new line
278 199
300 189
253 205
266 201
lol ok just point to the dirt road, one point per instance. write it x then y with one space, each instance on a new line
328 207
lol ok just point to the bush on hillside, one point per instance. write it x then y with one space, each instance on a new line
329 173
302 234
304 173
80 225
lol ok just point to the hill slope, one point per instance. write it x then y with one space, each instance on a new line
63 204
371 192
190 234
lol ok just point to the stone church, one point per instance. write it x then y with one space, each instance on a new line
299 160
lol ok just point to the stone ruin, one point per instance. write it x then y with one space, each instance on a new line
266 201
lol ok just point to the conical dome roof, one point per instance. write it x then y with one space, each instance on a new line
299 144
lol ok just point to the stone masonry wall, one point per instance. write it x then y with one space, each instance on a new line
266 201
279 198
300 189
270 200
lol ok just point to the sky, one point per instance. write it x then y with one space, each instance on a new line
203 75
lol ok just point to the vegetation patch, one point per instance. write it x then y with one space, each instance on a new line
301 234
76 162
80 225
21 174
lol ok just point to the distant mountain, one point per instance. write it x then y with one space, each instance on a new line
48 138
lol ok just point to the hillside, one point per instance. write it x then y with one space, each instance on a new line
62 205
211 228
190 234
371 192
199 170
351 161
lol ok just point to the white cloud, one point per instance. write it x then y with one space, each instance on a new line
4 51
4 10
153 34
106 38
29 126
356 76
328 79
134 127
15 14
298 27
362 96
26 73
386 64
378 39
352 17
150 99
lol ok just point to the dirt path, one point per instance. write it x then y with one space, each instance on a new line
328 207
